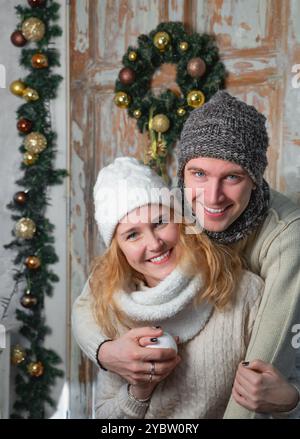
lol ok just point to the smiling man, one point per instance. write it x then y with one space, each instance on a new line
223 151
226 188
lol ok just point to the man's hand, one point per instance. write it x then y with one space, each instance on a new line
126 357
260 387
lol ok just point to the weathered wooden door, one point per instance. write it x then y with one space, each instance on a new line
259 42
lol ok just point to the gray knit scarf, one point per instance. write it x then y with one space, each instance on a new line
248 221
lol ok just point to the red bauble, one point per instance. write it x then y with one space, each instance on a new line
36 3
32 262
20 198
39 61
24 125
127 76
18 39
196 67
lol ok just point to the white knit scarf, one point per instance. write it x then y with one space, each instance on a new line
169 305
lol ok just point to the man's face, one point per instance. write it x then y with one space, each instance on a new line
227 190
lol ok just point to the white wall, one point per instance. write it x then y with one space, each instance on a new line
56 307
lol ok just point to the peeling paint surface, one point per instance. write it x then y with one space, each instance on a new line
82 37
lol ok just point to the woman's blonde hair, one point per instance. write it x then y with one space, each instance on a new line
219 265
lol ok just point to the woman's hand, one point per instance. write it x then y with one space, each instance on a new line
260 387
126 357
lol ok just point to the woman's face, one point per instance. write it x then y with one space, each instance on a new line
148 239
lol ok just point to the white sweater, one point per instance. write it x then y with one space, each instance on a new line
201 385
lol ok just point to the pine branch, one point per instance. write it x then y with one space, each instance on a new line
33 388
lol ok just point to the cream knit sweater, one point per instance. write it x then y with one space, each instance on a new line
201 385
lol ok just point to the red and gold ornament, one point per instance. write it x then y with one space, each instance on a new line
160 123
35 369
39 61
35 142
28 300
36 3
122 99
132 56
161 41
24 125
33 262
30 94
127 76
29 158
33 29
25 228
18 355
17 87
18 39
196 67
20 198
195 98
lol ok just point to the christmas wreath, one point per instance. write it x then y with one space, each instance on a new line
200 73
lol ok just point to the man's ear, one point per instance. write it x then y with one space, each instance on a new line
254 187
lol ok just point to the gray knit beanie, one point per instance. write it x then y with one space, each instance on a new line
226 128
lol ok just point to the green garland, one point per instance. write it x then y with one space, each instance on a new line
135 94
37 366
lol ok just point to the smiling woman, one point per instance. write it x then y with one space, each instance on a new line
146 240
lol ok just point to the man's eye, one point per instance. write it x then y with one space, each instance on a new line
232 177
199 174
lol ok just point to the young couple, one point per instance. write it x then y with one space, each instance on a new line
233 328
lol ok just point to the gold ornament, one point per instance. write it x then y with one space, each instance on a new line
195 98
181 111
30 159
28 300
161 41
183 46
29 94
25 228
39 61
137 114
32 262
17 88
33 29
35 142
162 148
160 123
122 99
132 56
35 369
18 355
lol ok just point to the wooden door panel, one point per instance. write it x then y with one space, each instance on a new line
119 24
239 24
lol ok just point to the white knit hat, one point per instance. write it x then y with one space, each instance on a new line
123 186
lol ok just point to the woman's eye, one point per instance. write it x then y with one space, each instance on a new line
232 177
132 236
